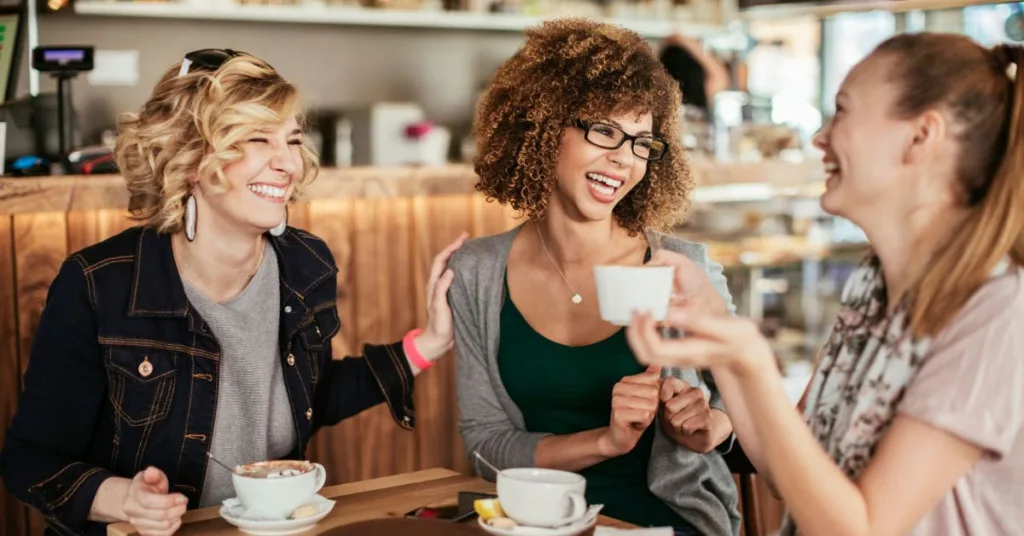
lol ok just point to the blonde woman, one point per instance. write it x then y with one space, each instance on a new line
207 329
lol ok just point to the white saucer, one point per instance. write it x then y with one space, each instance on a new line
586 523
282 527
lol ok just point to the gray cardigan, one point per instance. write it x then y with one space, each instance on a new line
698 487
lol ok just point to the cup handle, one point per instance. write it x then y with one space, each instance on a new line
579 507
321 476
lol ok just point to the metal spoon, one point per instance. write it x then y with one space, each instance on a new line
218 462
487 463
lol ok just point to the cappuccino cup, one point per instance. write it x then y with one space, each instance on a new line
275 489
542 497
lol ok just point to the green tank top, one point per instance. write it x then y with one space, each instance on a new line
568 389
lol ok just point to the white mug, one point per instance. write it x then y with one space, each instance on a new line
542 497
278 498
621 290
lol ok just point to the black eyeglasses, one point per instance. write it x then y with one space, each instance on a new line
208 58
607 136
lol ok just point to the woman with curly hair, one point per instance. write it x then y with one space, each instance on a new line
207 329
579 131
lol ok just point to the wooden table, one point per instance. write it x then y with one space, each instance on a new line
378 498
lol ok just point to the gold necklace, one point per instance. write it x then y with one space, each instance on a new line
576 298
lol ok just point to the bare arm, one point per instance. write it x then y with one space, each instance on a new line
914 466
574 452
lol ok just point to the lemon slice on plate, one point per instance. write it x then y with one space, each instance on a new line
488 508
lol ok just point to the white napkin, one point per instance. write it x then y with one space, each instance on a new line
237 510
655 531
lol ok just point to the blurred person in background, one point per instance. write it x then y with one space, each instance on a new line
700 75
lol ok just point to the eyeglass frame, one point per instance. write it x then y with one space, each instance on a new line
196 58
585 126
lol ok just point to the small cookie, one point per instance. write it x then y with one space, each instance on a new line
308 510
502 523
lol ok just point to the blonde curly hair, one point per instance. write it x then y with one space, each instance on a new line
569 70
192 126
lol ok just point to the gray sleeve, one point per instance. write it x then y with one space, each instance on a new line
484 424
716 273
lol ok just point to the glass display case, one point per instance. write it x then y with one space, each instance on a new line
785 259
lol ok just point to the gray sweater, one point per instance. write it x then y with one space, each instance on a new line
254 417
699 487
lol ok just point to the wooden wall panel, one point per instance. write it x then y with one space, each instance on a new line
382 255
332 220
438 221
491 218
13 517
298 216
41 243
87 227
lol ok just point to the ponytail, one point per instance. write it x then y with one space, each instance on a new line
995 226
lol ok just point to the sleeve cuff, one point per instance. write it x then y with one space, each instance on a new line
66 498
390 368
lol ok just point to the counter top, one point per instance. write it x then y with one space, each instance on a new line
96 192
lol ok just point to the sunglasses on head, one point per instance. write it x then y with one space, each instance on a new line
207 58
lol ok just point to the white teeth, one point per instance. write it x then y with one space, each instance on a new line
831 167
615 184
606 190
267 190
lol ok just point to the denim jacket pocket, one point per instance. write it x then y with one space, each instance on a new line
316 337
142 384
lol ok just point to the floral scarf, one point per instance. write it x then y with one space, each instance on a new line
864 368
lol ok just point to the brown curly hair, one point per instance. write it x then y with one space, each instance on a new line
568 70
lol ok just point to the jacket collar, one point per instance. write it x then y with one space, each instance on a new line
157 290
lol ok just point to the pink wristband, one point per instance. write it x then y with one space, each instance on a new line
409 345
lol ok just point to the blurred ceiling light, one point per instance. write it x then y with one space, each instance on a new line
55 5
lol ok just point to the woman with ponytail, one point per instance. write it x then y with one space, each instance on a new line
912 421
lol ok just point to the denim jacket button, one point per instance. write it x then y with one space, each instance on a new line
291 360
309 414
145 368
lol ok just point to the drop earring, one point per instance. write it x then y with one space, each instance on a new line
190 218
280 228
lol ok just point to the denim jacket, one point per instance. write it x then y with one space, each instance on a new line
123 374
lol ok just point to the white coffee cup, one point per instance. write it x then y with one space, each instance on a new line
621 290
542 497
278 497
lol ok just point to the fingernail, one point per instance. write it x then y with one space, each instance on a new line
182 500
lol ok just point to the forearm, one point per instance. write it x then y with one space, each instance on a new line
108 505
573 452
741 421
704 441
820 497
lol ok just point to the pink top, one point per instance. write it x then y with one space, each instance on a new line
972 386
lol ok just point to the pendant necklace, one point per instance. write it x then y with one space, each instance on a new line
576 298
